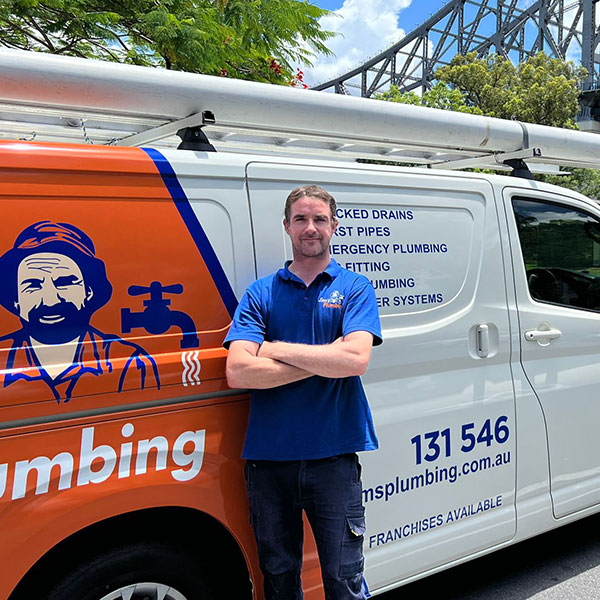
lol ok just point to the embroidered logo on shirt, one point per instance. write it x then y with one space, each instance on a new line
334 301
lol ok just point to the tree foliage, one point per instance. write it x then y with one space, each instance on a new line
540 90
584 181
439 96
249 39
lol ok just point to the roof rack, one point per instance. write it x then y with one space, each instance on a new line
64 99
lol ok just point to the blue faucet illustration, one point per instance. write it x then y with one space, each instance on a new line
157 317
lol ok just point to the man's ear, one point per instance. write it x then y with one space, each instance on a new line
286 226
334 224
17 307
89 294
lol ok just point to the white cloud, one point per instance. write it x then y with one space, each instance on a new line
366 27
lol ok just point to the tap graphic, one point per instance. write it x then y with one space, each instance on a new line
157 317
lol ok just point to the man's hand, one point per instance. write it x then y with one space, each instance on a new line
246 369
345 357
263 350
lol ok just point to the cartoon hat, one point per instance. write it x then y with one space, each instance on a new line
58 238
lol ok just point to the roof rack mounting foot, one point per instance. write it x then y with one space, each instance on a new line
193 138
519 168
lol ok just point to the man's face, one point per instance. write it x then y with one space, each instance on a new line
51 297
310 227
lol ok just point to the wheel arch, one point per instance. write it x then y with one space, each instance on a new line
201 533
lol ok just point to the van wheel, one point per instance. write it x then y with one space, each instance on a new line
148 571
143 591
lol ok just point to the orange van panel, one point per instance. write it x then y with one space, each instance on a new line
148 308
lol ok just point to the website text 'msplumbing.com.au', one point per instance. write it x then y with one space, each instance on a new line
428 477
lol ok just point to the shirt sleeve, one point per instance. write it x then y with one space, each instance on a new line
361 312
249 319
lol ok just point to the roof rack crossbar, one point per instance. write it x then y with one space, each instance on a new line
483 161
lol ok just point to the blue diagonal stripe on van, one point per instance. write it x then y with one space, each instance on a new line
200 238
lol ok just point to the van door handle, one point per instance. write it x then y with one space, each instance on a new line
543 335
483 340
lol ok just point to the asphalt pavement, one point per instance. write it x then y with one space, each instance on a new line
563 564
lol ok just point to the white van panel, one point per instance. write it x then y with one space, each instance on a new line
442 485
217 196
563 372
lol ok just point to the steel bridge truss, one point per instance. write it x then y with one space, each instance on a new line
563 29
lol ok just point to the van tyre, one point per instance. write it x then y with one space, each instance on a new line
143 571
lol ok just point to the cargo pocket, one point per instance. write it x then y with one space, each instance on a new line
351 559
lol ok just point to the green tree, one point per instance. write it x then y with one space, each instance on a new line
249 39
584 181
439 96
540 90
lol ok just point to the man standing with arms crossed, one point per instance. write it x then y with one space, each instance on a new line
300 340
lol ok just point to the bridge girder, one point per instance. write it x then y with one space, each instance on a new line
562 28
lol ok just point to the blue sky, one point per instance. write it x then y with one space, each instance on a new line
410 17
366 28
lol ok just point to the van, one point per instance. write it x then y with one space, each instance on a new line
120 442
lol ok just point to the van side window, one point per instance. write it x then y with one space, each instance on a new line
561 252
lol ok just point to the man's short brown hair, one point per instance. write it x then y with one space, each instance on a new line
313 191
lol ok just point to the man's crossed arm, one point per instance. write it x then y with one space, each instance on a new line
254 366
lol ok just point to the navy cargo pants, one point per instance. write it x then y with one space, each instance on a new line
329 491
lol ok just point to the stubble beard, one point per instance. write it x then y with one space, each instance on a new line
312 250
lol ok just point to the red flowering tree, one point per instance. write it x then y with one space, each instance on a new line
247 39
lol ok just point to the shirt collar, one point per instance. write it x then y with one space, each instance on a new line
332 270
23 363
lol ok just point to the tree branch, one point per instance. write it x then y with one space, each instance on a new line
29 34
116 57
43 33
116 36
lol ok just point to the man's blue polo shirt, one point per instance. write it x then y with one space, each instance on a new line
319 416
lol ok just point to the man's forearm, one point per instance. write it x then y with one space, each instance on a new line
263 373
328 360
